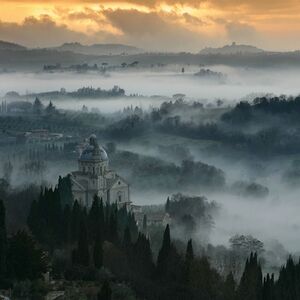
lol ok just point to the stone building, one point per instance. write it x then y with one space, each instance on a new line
95 178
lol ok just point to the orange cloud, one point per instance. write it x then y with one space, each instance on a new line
154 23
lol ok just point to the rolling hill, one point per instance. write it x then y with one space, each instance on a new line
232 49
99 49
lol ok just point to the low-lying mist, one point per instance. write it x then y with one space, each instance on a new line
270 217
241 82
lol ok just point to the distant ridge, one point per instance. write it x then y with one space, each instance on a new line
99 49
232 49
10 46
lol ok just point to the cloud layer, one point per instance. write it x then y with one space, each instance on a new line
169 25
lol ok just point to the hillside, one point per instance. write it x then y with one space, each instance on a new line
99 49
232 49
10 46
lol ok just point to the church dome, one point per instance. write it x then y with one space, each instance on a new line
92 151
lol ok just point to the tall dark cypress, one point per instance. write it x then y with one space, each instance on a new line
268 288
106 221
98 251
145 224
3 243
93 217
67 230
142 256
189 255
164 252
287 282
229 288
167 206
82 256
113 228
127 239
105 292
101 218
33 219
75 221
250 287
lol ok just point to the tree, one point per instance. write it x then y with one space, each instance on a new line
66 225
250 287
37 106
105 292
127 240
145 223
65 190
50 109
75 220
204 279
169 263
81 255
3 243
45 218
164 251
167 206
7 170
246 244
113 227
268 292
94 218
189 256
229 287
98 251
25 259
142 257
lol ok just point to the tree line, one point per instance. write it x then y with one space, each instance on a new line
107 236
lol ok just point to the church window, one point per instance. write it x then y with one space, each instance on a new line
119 183
120 198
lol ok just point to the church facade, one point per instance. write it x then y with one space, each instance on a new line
95 178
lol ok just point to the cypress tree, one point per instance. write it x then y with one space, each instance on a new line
127 239
65 190
189 256
101 218
26 260
75 220
67 229
164 252
113 228
167 206
93 217
82 256
268 288
287 281
229 287
105 292
98 251
145 223
3 243
33 219
142 256
106 221
250 287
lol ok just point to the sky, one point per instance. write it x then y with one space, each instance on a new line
170 25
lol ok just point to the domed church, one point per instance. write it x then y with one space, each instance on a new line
95 178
